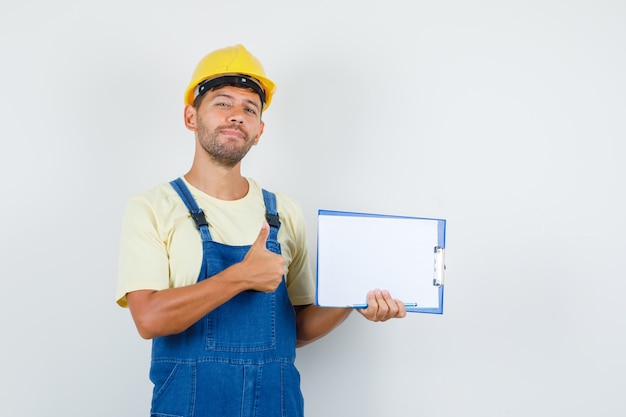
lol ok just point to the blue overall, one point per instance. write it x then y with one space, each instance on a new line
239 359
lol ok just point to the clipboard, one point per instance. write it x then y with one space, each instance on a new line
359 252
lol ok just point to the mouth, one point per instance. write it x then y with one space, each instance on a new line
236 133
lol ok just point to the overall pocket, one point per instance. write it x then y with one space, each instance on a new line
246 323
173 394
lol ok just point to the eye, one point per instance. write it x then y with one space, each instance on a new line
251 111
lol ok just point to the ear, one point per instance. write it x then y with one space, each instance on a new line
190 115
260 133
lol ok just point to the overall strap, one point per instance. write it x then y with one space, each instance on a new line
271 214
196 212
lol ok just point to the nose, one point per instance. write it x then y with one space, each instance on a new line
236 114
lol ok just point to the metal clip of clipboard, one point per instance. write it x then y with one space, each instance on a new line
439 267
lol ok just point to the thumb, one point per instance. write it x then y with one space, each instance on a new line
262 238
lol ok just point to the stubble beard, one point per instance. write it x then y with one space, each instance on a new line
228 153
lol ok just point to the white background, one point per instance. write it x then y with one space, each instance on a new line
504 117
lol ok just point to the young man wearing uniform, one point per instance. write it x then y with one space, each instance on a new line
215 269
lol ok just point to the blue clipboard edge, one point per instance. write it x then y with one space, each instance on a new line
441 241
435 310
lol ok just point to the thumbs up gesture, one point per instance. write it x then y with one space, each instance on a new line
263 269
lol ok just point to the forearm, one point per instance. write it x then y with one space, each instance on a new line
171 311
313 322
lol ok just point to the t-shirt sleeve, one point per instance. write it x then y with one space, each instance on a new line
143 259
300 278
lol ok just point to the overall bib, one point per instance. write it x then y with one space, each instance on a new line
239 359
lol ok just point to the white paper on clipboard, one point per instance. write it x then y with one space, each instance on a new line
358 252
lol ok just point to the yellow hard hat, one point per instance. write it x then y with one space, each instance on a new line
232 65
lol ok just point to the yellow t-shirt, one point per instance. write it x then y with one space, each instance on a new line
161 247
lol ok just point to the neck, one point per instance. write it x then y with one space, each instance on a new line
218 181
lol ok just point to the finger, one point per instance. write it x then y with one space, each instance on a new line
397 309
371 305
401 309
373 310
372 302
391 307
263 234
382 297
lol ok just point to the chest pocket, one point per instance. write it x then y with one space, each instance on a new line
246 323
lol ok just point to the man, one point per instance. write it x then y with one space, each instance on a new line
225 315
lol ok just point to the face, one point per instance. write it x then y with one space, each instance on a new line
227 123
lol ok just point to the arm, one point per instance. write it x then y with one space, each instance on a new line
313 322
171 311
